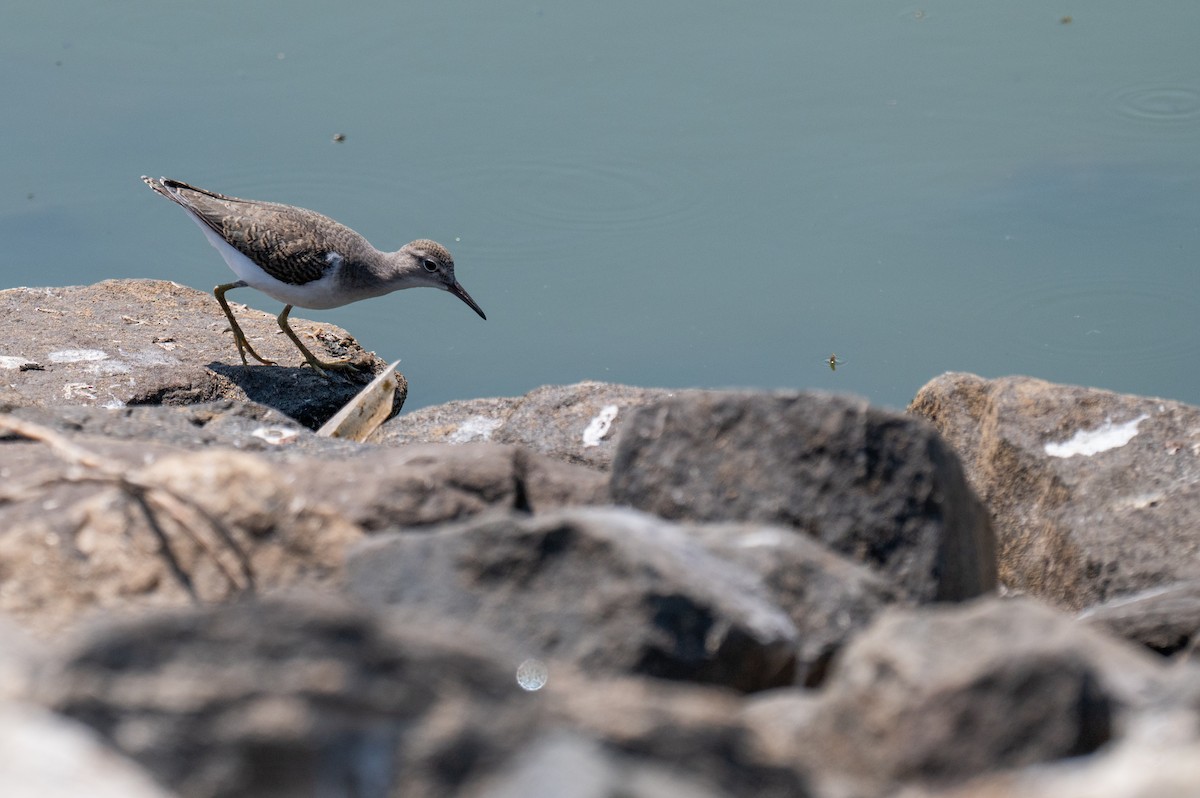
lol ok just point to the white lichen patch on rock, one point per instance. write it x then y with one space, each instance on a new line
599 426
275 435
10 362
79 390
1101 439
475 428
77 355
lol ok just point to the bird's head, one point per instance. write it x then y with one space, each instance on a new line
434 267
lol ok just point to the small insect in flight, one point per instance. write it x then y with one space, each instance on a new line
833 361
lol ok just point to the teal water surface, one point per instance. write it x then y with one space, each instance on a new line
701 194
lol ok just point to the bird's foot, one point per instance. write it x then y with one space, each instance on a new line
244 346
320 366
317 364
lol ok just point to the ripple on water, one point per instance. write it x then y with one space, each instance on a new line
603 195
913 14
1157 103
1103 321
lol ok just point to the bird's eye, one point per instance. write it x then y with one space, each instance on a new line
430 264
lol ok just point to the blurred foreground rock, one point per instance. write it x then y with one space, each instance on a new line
876 486
589 590
650 600
48 756
1164 619
943 693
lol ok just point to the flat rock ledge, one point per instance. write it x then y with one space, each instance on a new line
592 589
122 343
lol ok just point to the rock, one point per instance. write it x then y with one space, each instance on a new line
231 424
421 485
137 523
461 421
295 697
874 485
1165 619
47 756
545 484
829 598
136 342
610 590
540 482
695 730
21 656
149 526
303 695
940 694
1094 494
568 766
577 424
1145 769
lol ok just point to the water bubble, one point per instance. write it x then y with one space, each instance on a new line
532 674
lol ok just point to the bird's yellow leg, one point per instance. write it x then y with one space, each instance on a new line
243 345
318 365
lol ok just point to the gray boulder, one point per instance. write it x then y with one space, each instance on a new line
140 523
1094 494
565 765
612 591
1165 619
134 525
874 485
421 485
304 695
939 694
1145 768
577 424
297 697
829 598
696 731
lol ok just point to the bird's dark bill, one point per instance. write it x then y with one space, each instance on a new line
462 294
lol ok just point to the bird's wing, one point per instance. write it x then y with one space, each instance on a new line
291 244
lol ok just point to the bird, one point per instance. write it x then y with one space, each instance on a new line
304 259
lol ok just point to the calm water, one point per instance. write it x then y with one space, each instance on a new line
675 194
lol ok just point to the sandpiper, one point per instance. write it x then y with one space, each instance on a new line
303 258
